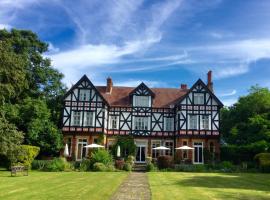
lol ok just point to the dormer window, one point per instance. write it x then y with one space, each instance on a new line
198 98
141 101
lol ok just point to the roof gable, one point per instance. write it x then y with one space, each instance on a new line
142 90
85 82
201 86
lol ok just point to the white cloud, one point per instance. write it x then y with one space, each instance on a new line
233 92
5 26
52 49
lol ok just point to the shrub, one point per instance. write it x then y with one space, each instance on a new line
150 167
148 160
130 160
99 167
164 162
263 161
127 146
40 164
101 156
119 164
110 168
85 165
191 168
26 155
58 164
127 167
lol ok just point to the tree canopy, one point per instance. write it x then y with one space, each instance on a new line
31 90
248 121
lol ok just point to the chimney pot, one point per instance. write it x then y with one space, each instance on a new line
109 85
183 86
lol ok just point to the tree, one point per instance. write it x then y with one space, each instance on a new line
10 139
248 121
12 73
35 120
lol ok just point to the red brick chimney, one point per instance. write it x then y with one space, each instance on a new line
109 85
209 81
183 86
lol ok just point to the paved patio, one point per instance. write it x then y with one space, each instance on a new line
134 187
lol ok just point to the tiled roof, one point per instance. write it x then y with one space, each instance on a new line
164 97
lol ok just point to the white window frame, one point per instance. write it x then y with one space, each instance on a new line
141 101
84 95
171 148
86 121
143 120
153 151
169 124
83 143
202 122
112 119
198 98
74 114
200 146
189 122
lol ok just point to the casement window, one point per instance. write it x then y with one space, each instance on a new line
141 123
169 124
185 152
155 153
89 119
84 95
114 122
81 151
169 144
76 118
193 121
205 122
198 98
198 153
141 101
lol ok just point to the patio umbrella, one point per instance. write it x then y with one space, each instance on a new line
184 147
161 148
118 154
93 146
66 153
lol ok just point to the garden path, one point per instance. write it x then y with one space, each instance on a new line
134 187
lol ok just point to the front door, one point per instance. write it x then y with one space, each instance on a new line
140 154
198 153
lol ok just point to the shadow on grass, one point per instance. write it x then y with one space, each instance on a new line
228 181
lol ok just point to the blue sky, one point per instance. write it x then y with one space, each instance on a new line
162 43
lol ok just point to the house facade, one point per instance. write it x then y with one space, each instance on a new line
170 117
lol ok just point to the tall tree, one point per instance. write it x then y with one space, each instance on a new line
248 121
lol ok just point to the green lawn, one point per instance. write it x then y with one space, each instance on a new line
60 185
177 185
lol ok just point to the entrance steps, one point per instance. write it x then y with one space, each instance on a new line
139 167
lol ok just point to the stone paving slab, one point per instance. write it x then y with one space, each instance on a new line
134 187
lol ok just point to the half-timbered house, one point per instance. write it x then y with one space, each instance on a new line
170 117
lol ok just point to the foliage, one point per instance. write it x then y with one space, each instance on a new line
27 154
242 153
57 164
85 165
119 164
263 161
164 162
150 167
13 78
148 160
127 167
10 140
31 90
130 159
248 121
127 146
40 164
101 156
99 167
